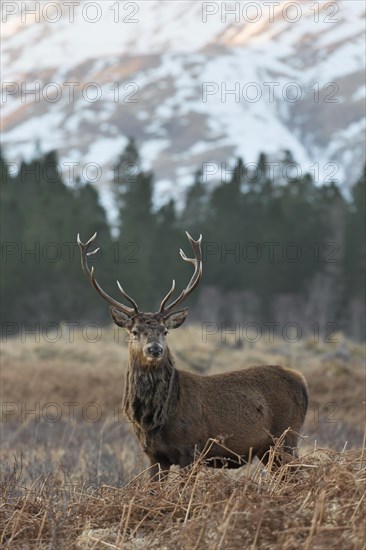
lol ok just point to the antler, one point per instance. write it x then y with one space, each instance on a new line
91 277
197 262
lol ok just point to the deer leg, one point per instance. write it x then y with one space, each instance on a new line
290 445
284 453
159 469
186 458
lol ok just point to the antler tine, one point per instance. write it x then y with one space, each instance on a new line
195 279
164 301
91 277
128 298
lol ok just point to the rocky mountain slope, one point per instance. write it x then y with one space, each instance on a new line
162 71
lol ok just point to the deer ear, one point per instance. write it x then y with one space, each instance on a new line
121 319
176 319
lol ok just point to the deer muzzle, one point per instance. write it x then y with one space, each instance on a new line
153 350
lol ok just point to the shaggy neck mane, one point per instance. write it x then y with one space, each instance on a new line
151 391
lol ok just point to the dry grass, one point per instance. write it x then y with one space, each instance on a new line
319 504
76 482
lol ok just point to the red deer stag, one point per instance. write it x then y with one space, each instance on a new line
174 412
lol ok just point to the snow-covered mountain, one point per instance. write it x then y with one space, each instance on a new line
162 71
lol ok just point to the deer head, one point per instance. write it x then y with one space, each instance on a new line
147 331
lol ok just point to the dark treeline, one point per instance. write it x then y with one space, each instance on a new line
275 249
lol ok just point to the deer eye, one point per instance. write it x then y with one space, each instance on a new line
134 332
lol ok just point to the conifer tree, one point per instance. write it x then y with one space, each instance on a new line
133 191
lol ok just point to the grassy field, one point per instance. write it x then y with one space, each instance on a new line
73 474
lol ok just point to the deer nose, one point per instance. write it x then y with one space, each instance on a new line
154 349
